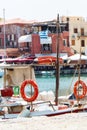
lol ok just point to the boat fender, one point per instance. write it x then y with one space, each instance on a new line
22 90
80 84
7 92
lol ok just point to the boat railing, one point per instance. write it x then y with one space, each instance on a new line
42 102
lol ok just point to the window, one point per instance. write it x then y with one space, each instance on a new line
0 30
82 31
0 42
64 42
12 37
67 19
46 47
82 43
8 37
75 30
73 42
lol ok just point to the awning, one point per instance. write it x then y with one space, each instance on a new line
25 38
77 57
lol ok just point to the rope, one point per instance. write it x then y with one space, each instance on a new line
67 91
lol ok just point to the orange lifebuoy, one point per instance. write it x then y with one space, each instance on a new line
77 87
22 90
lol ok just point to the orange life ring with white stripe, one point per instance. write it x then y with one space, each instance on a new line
22 90
77 87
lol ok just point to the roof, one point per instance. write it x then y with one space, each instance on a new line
17 21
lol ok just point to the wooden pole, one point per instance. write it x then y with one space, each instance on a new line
57 61
79 65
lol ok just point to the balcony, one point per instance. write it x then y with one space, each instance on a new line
82 34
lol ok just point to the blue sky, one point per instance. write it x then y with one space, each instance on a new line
41 10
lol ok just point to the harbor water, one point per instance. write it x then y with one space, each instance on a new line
48 83
66 83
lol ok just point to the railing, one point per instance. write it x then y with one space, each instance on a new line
82 34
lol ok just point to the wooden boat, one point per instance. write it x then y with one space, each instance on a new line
79 91
14 75
21 60
47 60
16 102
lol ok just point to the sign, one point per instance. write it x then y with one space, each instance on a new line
43 34
44 39
47 40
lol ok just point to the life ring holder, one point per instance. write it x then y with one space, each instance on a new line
22 90
83 87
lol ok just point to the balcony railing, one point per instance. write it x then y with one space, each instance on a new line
82 34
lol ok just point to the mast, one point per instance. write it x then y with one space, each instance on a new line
57 61
4 46
4 35
79 74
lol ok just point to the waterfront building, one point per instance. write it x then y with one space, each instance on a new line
43 36
14 28
43 39
37 44
77 33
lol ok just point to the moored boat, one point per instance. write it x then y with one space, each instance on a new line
43 103
28 102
